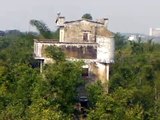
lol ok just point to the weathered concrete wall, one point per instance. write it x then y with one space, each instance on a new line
105 49
61 34
98 71
73 32
72 51
37 49
80 52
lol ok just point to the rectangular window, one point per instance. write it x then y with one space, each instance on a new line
85 72
85 36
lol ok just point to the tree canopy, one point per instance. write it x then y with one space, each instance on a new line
44 31
87 16
133 86
26 94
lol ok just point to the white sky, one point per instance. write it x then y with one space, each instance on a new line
124 15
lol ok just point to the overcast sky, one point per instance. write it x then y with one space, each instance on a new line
124 15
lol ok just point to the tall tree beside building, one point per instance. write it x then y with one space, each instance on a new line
42 28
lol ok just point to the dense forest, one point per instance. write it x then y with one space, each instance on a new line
26 94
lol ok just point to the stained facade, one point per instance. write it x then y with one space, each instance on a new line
86 40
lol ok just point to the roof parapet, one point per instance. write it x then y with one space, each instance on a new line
104 21
60 21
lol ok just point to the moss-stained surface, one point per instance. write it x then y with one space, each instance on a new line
73 32
81 52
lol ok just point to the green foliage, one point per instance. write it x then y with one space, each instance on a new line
134 86
55 34
44 31
94 92
42 28
136 47
17 49
87 16
63 79
27 94
55 53
15 75
120 41
116 106
16 91
134 67
40 110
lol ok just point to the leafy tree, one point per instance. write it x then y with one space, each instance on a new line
137 69
42 106
17 89
120 41
94 93
63 79
55 34
55 53
136 47
134 80
44 31
116 106
17 49
42 28
87 16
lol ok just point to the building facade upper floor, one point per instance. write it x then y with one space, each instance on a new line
83 30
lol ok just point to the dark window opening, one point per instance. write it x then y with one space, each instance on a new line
85 72
83 101
85 36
